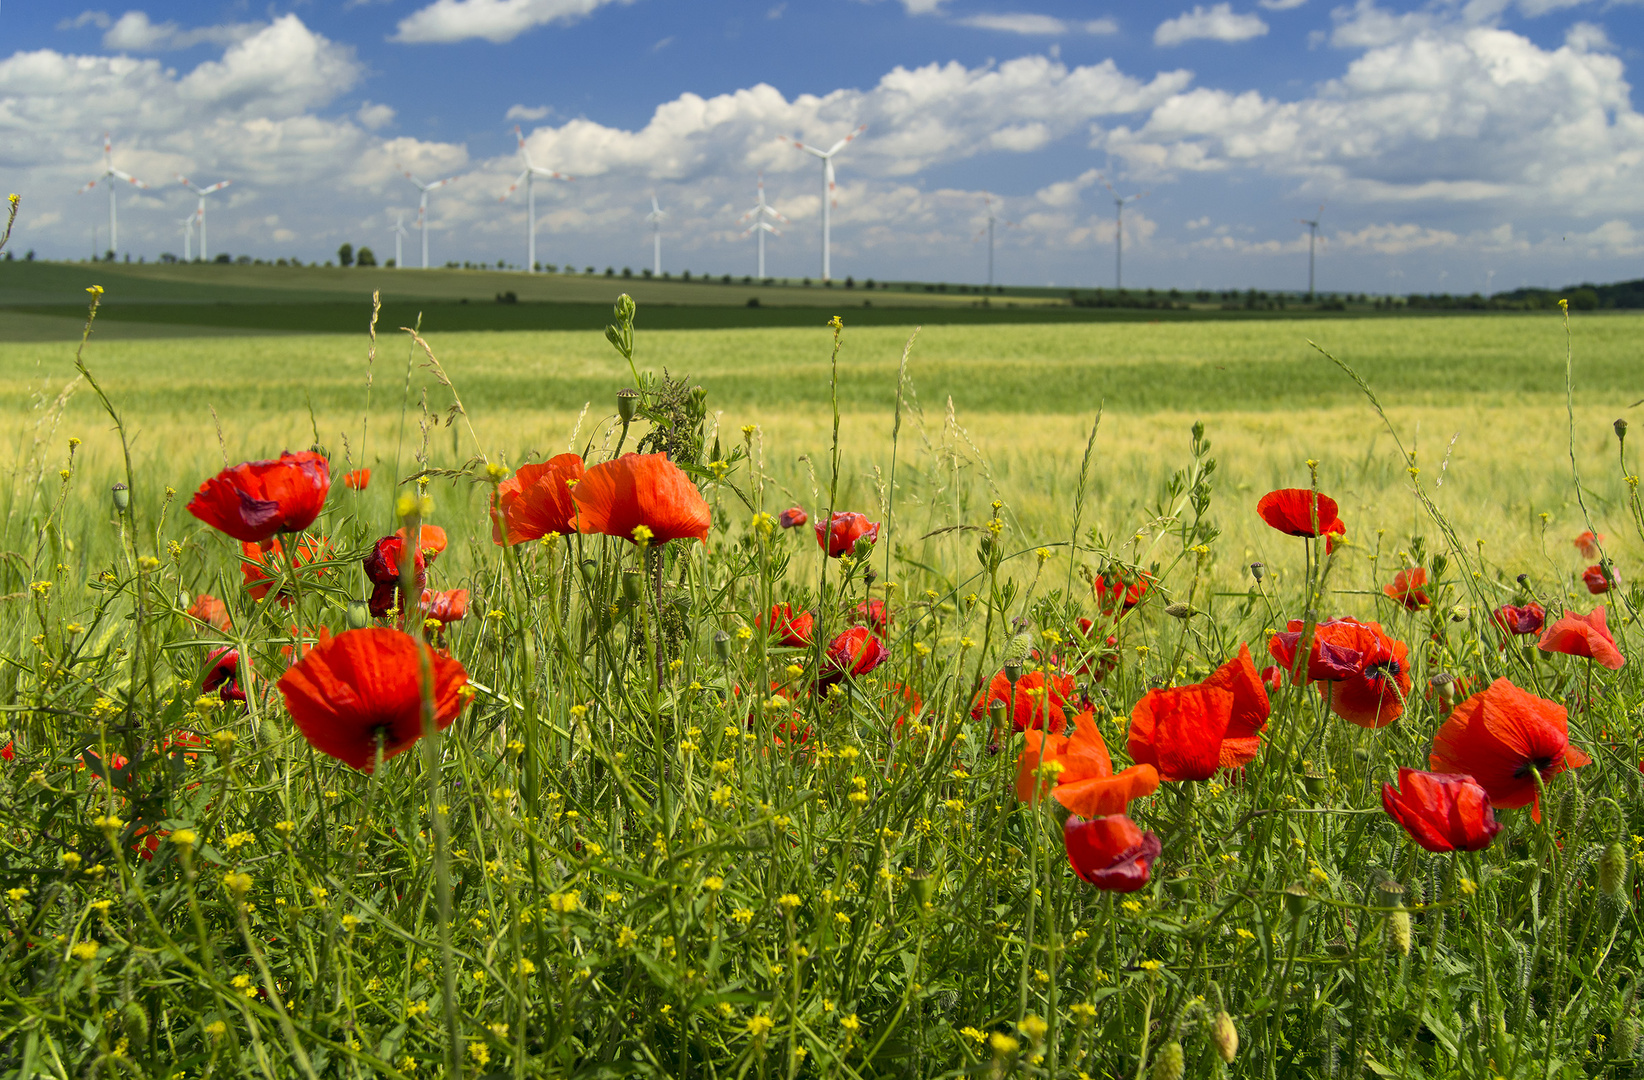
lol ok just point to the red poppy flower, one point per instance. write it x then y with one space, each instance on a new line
1086 783
1037 703
1251 708
222 674
363 684
536 501
1273 677
1116 589
382 568
1587 543
1597 582
1583 635
1299 512
1502 738
253 501
1441 812
8 752
902 702
872 613
1110 852
854 652
1368 671
846 529
1512 619
1179 730
787 628
260 564
211 611
792 518
1408 588
430 540
358 480
617 497
447 606
1099 659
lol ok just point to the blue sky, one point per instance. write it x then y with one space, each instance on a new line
1453 144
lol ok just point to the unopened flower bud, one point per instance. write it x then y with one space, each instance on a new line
1612 870
590 572
122 497
1439 563
1621 428
627 403
1624 1040
1170 1063
722 646
1178 610
1258 571
1225 1036
359 614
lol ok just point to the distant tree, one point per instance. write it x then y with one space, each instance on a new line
165 257
390 262
608 271
345 255
366 257
243 260
225 258
627 271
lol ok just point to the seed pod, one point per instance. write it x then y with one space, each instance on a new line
590 572
1170 1063
1296 900
122 498
1258 571
359 614
627 403
1621 428
923 886
1612 870
1390 894
1225 1035
997 709
633 585
722 646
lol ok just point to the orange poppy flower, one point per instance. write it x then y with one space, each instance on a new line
1251 708
787 628
618 497
1110 852
1502 738
536 501
447 606
430 540
1037 703
1119 590
260 563
1408 588
363 684
1179 730
1300 512
1587 543
211 611
1583 635
358 480
1598 582
254 500
1086 784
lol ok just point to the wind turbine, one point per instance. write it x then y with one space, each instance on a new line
762 210
422 207
1119 202
400 233
827 183
655 218
987 200
109 175
529 176
188 237
1312 238
205 255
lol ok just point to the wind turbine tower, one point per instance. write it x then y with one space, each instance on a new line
400 233
1119 203
529 176
828 200
422 207
107 177
1312 239
655 218
760 212
188 237
199 213
987 201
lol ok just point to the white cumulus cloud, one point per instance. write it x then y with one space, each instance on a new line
1217 23
136 32
496 21
1037 25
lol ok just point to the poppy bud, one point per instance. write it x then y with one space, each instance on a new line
633 586
590 572
1178 610
1170 1063
1612 870
122 498
1296 900
1569 808
359 615
1621 428
923 886
1226 1036
1460 613
1257 571
627 403
1625 1037
722 646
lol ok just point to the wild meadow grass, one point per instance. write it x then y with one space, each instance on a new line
658 842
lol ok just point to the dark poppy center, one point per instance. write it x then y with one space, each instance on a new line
1383 669
1540 765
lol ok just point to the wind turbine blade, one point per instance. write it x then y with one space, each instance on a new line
440 183
840 145
412 178
511 187
89 185
218 186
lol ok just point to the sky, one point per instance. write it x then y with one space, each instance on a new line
1453 146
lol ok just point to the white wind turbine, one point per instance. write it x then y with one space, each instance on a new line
1119 203
529 176
762 210
827 183
108 176
188 237
1312 238
400 233
422 207
199 213
655 218
987 201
